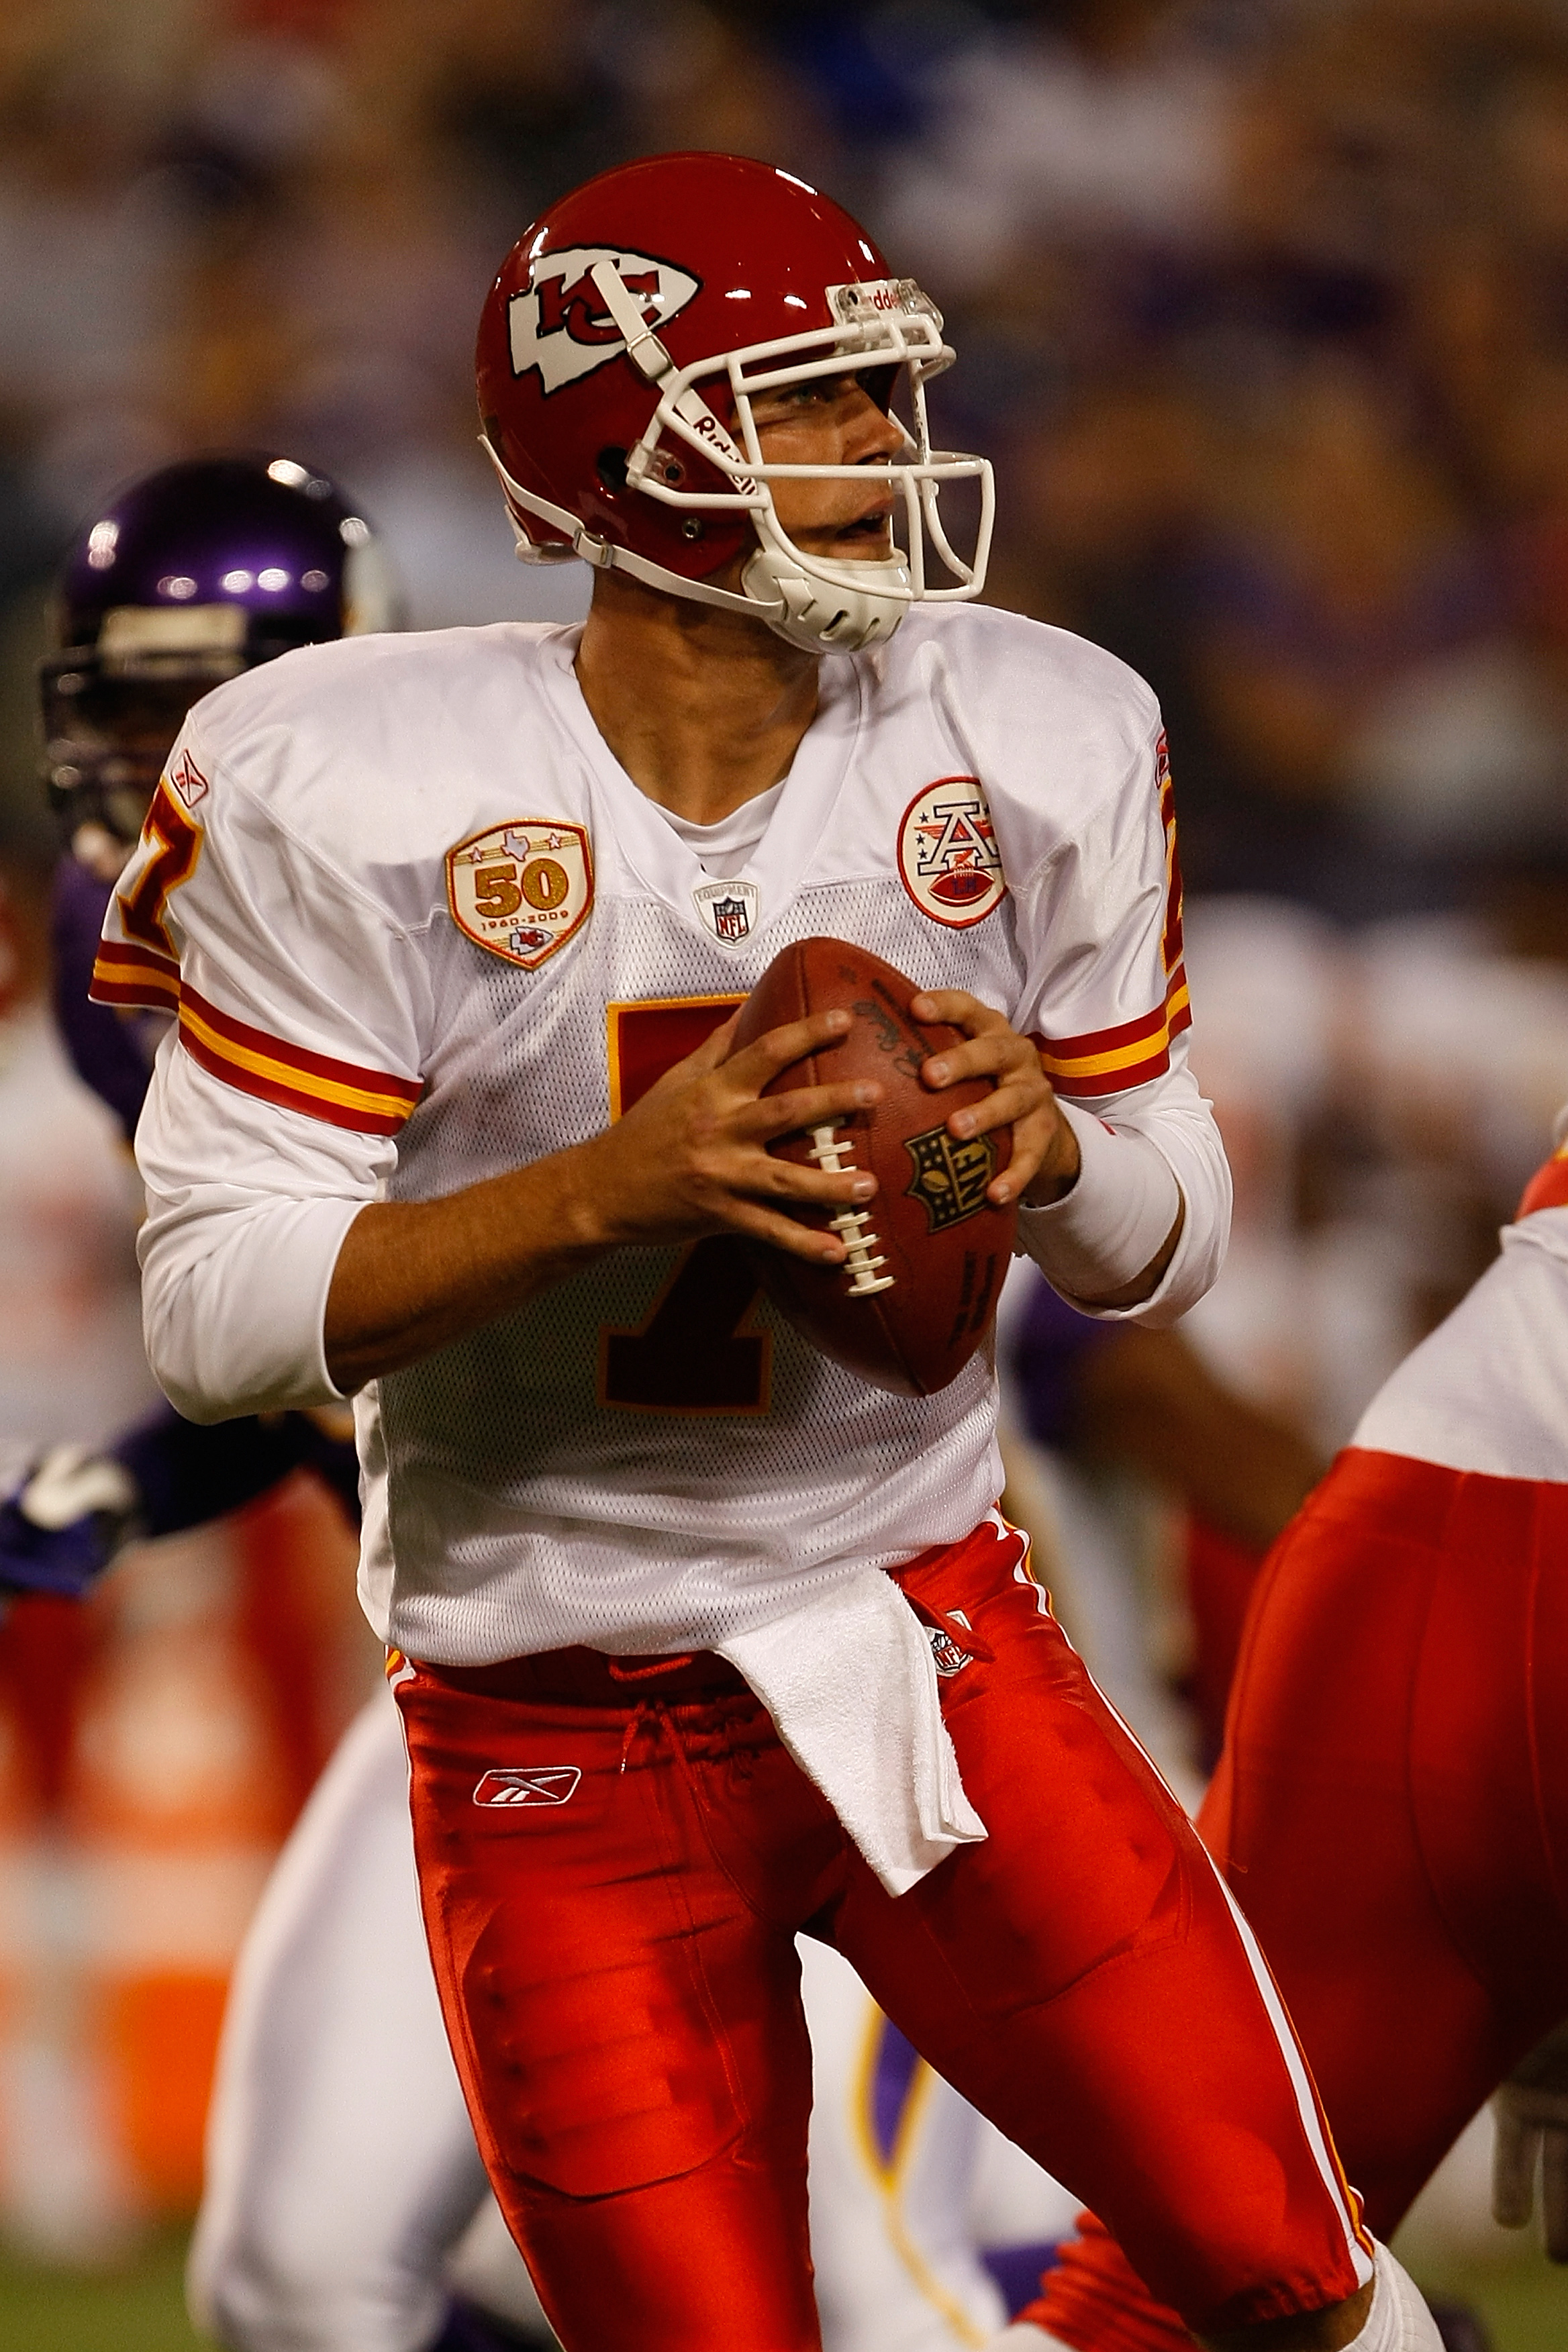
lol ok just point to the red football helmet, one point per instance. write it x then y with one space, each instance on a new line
607 316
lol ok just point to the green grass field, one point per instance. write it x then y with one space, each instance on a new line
139 2308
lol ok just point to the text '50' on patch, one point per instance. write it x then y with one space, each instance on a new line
521 888
947 858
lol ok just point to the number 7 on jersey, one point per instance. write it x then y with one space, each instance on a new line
694 1353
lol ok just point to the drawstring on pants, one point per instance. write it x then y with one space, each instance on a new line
645 1711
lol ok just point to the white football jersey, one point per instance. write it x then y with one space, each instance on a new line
1488 1390
421 927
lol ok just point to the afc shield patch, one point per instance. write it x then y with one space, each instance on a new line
521 888
948 857
950 1178
513 1786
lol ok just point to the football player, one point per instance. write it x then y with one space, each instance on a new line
338 2188
1392 1805
450 1123
189 576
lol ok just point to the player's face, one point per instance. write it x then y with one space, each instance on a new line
121 760
830 421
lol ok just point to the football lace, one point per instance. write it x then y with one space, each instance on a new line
850 1224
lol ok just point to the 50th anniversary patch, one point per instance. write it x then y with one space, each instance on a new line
521 888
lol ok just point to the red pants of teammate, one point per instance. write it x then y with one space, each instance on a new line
616 1959
1392 1812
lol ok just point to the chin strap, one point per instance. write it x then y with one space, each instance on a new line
606 556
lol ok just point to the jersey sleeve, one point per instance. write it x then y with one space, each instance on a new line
1105 996
301 1011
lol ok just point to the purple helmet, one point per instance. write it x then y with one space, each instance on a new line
188 576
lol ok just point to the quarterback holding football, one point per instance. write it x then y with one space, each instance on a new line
701 1618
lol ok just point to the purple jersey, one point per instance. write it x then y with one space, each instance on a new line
109 1052
183 1474
1051 1343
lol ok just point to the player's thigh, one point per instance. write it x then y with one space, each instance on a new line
893 2174
1081 1977
341 2165
627 2029
1386 1803
1376 1809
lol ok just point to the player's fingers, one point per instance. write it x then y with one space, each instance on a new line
714 1048
751 1069
994 1054
1031 1142
764 1176
958 1009
1514 2166
806 1107
1007 1103
785 1232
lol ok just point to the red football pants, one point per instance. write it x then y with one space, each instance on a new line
615 1950
1391 1811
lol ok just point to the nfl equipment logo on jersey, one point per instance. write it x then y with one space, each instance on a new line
728 909
947 852
523 889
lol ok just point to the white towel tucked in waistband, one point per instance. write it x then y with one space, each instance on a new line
851 1685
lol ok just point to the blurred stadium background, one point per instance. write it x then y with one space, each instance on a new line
1262 310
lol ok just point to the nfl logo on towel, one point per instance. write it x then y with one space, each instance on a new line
728 908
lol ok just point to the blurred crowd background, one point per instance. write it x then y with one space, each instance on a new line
1261 307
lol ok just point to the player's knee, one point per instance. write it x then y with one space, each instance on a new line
1387 2314
257 2292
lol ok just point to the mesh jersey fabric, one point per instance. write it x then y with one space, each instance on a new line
508 1508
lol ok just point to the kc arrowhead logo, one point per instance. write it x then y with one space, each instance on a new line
560 325
514 1785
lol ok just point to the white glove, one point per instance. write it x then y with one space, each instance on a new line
1530 2112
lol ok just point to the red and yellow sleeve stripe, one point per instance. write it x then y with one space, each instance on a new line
1548 1188
372 1102
125 974
1108 1061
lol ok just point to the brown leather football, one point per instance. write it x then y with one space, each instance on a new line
928 1255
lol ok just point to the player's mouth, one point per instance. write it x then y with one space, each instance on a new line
869 535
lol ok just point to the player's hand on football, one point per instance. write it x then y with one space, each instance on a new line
692 1155
1530 2115
1045 1158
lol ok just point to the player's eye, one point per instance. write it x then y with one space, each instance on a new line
796 399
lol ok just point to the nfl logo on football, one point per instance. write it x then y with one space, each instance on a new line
728 908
